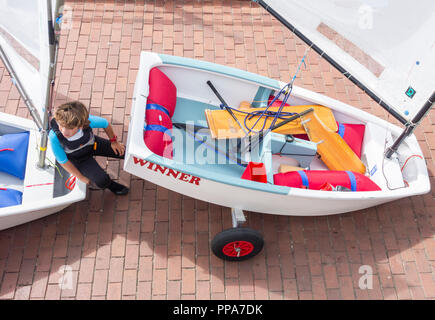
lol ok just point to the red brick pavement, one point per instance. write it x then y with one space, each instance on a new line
153 243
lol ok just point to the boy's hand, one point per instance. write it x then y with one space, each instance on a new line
70 167
86 180
118 148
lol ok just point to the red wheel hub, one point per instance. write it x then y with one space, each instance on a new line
238 248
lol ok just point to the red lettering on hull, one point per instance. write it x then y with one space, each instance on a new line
185 177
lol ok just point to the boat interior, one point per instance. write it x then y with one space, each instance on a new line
306 145
21 181
7 180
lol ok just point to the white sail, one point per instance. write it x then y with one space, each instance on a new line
389 46
24 38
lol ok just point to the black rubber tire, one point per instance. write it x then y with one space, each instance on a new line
249 237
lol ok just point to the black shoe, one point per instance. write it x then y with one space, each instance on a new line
117 188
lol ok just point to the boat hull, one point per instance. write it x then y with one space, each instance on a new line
203 183
291 201
40 187
28 213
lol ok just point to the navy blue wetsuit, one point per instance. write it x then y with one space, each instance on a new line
81 149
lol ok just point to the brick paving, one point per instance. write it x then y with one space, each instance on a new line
154 243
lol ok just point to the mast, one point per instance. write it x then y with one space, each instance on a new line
52 42
16 81
410 126
45 65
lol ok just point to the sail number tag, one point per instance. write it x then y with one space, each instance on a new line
410 92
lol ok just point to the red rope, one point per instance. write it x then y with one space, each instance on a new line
41 184
410 157
414 155
7 149
70 183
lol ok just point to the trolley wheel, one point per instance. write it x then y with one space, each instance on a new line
237 244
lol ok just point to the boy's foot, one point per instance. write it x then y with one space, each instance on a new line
118 189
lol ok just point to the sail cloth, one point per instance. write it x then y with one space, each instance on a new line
24 38
388 46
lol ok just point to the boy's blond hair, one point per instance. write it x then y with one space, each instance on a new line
72 115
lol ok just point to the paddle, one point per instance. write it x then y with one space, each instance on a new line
225 105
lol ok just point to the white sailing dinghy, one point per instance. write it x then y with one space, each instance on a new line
201 129
30 185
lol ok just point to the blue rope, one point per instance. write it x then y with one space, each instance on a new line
264 113
289 87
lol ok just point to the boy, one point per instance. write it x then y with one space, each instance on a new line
75 145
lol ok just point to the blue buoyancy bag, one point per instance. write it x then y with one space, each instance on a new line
10 197
13 153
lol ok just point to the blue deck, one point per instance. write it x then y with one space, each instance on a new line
200 155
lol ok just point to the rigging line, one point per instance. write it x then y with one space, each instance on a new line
290 87
287 90
54 165
268 114
286 87
264 111
409 158
292 118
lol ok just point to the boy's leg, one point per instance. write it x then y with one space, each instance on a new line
92 170
102 147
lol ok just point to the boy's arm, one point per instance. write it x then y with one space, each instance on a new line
110 133
71 168
117 146
61 157
99 122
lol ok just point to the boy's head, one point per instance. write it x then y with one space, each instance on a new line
70 117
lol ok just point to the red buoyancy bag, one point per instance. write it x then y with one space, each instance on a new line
158 140
162 91
276 103
315 179
157 134
156 114
159 110
353 134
